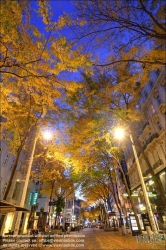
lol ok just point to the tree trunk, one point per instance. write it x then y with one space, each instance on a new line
50 201
130 198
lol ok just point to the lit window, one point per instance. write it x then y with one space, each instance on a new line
159 99
152 108
6 159
33 198
159 125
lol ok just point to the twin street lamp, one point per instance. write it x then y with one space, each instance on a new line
120 133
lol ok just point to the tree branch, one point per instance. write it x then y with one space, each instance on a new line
131 60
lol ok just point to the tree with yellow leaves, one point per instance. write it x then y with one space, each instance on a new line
30 63
129 31
102 105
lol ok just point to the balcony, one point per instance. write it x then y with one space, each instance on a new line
146 173
157 164
143 127
145 124
151 138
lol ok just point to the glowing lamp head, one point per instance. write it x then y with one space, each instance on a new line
47 135
119 133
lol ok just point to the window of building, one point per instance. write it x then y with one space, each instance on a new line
151 107
4 188
16 190
163 179
159 99
159 125
145 94
4 136
151 83
19 165
158 72
5 160
0 150
12 164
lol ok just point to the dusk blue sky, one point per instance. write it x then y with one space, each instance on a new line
58 8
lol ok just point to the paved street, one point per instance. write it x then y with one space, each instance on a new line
97 239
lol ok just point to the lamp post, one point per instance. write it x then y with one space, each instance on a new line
17 224
120 133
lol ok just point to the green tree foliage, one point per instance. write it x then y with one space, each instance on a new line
60 204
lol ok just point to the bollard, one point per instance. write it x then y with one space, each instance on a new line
68 230
123 230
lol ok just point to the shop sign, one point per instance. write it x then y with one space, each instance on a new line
68 211
134 226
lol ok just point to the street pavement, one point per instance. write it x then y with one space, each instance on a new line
98 239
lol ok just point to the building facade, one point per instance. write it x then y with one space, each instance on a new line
151 133
8 219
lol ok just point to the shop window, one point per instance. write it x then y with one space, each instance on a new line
159 125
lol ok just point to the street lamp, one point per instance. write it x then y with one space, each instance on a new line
47 135
119 133
34 135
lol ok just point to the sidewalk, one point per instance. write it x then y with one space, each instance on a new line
129 242
90 239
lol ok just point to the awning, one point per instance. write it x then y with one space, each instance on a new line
7 207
